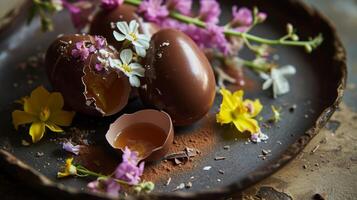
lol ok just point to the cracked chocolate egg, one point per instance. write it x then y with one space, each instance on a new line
148 132
178 77
77 66
103 23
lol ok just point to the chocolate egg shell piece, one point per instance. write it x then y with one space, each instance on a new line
104 23
158 118
85 89
178 78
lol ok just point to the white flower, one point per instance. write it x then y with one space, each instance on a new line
57 4
258 137
277 80
132 70
131 33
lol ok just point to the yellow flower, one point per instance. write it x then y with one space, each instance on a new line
276 114
239 112
69 169
42 109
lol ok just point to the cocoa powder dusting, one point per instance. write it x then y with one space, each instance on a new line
201 139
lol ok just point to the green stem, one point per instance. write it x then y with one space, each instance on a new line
313 43
94 174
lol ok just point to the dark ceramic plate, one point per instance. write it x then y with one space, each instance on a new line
316 90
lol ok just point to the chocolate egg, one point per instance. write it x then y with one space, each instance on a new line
76 67
178 78
104 23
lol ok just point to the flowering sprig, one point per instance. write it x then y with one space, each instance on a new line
287 41
127 173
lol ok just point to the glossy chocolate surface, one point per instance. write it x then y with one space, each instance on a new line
85 89
178 79
104 23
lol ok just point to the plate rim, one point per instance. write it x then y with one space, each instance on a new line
37 180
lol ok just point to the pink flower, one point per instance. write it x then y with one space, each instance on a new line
128 170
242 16
80 12
99 67
172 23
153 10
100 42
181 6
68 146
217 38
111 4
82 51
108 185
209 11
130 173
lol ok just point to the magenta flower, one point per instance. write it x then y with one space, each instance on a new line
68 146
107 185
99 67
209 11
82 51
172 23
130 156
130 173
80 12
99 42
242 16
181 6
128 170
153 10
111 4
217 38
198 35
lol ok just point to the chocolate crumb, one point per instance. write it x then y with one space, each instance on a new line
315 149
293 108
227 147
177 161
25 143
188 185
39 154
318 196
179 187
219 158
168 181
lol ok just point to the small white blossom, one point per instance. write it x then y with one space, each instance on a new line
132 70
131 33
57 4
258 137
277 80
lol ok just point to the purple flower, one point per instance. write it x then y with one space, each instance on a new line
129 172
108 185
68 146
130 156
100 42
209 11
172 23
217 38
80 12
153 10
99 67
198 35
111 4
262 16
82 51
242 16
181 6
